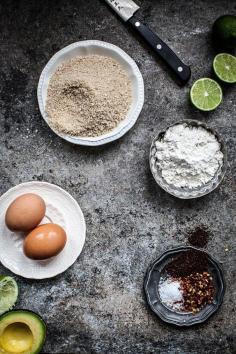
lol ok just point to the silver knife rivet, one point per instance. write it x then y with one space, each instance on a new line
137 24
159 46
180 69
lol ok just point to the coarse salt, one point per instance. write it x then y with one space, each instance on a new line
170 293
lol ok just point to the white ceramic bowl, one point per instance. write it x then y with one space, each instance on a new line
61 209
85 48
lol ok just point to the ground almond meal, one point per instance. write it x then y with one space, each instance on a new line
88 96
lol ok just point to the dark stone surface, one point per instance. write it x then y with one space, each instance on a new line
98 305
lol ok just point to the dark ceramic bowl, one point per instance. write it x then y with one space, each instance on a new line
182 319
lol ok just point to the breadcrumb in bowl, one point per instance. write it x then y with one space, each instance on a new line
121 117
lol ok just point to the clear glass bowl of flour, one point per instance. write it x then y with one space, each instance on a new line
187 192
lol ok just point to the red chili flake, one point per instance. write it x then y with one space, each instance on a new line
198 291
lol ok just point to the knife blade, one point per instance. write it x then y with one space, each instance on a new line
126 10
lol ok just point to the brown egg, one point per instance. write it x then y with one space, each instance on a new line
45 241
25 212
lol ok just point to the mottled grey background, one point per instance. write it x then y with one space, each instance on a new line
98 305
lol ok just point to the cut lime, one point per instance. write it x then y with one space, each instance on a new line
8 293
225 67
206 94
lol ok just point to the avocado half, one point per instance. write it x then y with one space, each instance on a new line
21 332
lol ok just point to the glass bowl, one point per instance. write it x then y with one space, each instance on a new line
188 193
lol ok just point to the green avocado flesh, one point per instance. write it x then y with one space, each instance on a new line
21 332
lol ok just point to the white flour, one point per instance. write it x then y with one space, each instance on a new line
188 156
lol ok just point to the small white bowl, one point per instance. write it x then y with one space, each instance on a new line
85 48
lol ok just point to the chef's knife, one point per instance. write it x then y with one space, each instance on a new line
126 9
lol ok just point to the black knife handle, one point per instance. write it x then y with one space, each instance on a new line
182 71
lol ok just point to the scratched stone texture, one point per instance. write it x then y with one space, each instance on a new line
98 305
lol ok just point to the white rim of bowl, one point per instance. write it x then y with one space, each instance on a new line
103 139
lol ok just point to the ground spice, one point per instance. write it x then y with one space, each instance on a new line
88 96
199 236
191 261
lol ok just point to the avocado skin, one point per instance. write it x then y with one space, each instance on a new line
32 317
224 32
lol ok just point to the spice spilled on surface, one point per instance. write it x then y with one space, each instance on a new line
88 96
199 236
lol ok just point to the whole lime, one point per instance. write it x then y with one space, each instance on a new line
224 32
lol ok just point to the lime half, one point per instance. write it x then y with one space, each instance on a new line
8 293
206 94
225 67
